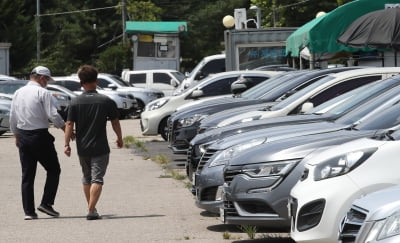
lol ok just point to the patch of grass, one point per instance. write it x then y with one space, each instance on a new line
177 176
161 159
226 235
188 184
128 141
186 238
250 230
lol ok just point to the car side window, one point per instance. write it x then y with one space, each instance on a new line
342 88
71 85
219 87
214 66
137 78
161 78
103 83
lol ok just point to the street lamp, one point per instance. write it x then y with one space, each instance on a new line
258 12
228 21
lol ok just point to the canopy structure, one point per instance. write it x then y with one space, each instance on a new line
321 33
154 27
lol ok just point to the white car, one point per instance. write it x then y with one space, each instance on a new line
374 218
154 118
335 177
165 80
315 94
125 101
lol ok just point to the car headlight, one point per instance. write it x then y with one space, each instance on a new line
189 121
386 228
157 104
280 168
225 155
342 164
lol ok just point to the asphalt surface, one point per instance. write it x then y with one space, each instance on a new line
139 203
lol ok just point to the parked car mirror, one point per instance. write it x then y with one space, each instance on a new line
197 93
112 86
200 75
306 107
237 88
174 83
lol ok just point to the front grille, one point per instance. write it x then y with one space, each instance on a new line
229 174
351 225
256 207
230 209
209 194
310 215
205 158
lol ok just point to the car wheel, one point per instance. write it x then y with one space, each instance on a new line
141 106
2 132
163 129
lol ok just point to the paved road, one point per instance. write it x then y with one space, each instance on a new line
138 204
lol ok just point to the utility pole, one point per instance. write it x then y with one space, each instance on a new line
37 30
123 10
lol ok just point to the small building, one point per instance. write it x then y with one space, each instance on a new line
156 45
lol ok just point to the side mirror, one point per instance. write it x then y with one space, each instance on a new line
174 83
306 107
197 93
200 75
237 88
112 86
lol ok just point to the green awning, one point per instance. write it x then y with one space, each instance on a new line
320 34
153 27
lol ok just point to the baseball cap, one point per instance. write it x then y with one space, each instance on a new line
40 70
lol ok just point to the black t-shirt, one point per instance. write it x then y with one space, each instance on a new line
90 112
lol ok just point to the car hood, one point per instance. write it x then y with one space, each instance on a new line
138 89
214 119
213 108
381 204
277 133
206 102
222 132
297 147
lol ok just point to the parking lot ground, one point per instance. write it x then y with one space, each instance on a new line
139 203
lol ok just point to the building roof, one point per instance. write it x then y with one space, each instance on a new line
155 27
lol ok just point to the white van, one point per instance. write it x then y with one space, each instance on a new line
165 80
208 65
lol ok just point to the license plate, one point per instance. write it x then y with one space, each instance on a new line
222 214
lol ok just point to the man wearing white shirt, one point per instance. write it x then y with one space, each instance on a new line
31 109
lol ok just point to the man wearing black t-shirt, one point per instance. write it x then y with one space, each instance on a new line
89 113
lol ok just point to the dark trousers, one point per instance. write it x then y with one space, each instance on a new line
38 146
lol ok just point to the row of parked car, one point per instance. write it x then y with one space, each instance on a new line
129 99
311 152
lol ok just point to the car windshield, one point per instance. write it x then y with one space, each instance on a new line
386 119
10 88
351 99
259 90
119 80
301 93
179 76
382 101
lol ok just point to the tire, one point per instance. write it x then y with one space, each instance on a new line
163 129
140 108
2 132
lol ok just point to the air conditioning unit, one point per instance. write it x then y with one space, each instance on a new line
240 18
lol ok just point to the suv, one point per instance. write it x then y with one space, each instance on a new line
165 80
209 65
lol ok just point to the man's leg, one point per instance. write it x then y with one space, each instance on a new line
95 192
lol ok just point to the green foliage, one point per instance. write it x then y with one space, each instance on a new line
250 230
143 11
